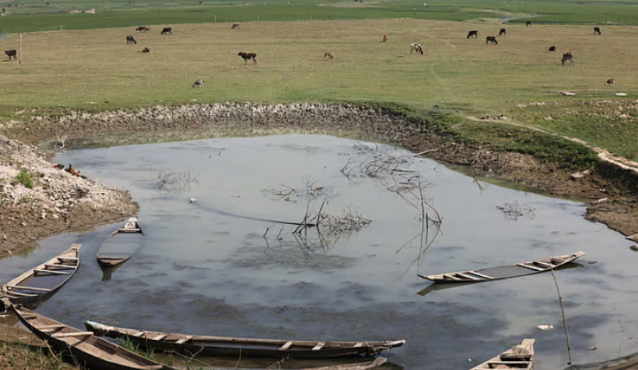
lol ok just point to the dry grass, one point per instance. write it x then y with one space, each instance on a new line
71 68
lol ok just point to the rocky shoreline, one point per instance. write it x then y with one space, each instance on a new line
62 202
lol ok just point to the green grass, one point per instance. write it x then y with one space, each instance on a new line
24 178
19 357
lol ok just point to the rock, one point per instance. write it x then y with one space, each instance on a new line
577 175
634 248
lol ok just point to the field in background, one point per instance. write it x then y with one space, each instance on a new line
38 15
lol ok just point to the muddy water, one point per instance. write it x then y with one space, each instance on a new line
206 267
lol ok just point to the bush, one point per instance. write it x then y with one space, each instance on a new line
24 178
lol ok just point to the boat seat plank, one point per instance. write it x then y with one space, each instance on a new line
160 337
61 267
184 340
531 267
54 272
481 275
28 288
451 277
51 327
318 346
467 276
360 344
76 334
67 259
544 264
138 334
286 346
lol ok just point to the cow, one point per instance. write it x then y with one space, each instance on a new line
528 24
199 83
385 38
248 56
146 50
142 29
502 32
597 30
552 48
611 81
11 53
235 26
130 39
166 31
472 34
491 39
416 47
568 57
327 55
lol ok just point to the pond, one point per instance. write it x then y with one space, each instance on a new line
221 266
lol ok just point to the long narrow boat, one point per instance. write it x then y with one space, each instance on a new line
43 280
84 347
517 357
121 245
504 272
226 346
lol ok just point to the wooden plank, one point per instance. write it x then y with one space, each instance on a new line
45 327
61 267
76 334
22 294
318 346
160 337
531 267
451 277
138 334
28 288
481 275
52 272
360 344
184 340
67 259
544 264
467 276
286 346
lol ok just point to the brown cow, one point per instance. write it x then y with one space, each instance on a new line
568 57
11 53
611 81
143 29
146 50
501 32
248 56
472 34
327 55
491 39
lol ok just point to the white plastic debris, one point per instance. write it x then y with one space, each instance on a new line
192 200
545 327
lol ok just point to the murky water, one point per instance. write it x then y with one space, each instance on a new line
203 270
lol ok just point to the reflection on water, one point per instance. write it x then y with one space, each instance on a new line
206 272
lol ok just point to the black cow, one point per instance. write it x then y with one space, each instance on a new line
597 30
528 24
166 31
235 26
472 34
568 58
552 48
501 32
248 56
491 39
130 39
12 53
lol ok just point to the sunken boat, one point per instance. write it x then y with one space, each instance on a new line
121 245
44 280
227 346
517 357
505 272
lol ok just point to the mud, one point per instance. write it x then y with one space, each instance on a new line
154 124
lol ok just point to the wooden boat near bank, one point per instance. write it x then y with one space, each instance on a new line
517 357
504 272
84 347
121 245
43 280
227 346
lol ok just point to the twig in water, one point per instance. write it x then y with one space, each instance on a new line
562 308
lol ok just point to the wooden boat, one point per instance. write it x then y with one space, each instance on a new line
44 280
121 245
504 272
226 346
356 366
84 347
517 357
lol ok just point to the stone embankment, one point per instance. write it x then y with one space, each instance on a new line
38 200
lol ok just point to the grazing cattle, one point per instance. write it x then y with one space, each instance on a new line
327 55
568 58
12 53
502 32
130 39
248 56
597 30
385 38
166 31
552 48
416 47
146 50
199 83
472 34
611 81
142 29
491 39
235 26
528 24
